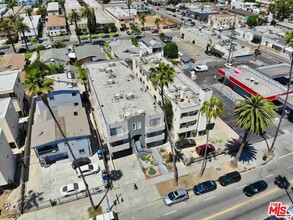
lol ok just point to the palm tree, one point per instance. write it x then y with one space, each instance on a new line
210 109
289 40
42 11
40 86
129 2
158 22
29 11
11 4
88 13
8 28
74 16
161 76
142 21
283 183
22 27
254 115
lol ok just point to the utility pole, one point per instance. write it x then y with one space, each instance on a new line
231 38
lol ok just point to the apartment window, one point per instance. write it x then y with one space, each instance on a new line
75 113
12 95
82 151
133 126
74 94
115 131
51 98
76 104
138 125
155 122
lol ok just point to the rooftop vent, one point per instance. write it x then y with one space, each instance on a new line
184 88
110 82
127 115
118 96
112 64
102 69
141 111
177 87
130 96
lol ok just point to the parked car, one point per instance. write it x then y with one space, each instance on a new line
229 178
72 189
94 37
204 187
116 35
4 46
88 170
28 43
81 161
201 149
255 188
257 51
2 53
175 197
99 42
22 50
106 36
201 68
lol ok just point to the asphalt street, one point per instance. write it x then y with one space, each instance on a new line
226 202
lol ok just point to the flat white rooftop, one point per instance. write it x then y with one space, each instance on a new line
120 13
4 103
64 81
7 81
119 92
53 6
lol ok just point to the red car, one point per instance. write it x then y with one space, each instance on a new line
200 149
257 51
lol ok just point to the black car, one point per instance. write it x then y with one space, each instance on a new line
116 35
229 178
99 42
22 50
2 53
255 188
81 161
138 37
106 36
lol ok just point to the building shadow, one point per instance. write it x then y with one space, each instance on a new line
248 154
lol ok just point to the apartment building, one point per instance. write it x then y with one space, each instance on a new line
221 21
11 86
7 161
184 94
56 25
34 23
129 116
53 8
9 121
121 16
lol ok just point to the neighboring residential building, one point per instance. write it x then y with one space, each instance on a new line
47 140
221 21
121 16
7 161
129 116
152 44
246 6
53 8
184 94
35 28
90 53
13 61
139 6
56 26
55 55
241 14
9 122
29 2
11 86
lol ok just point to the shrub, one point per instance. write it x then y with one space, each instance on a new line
162 150
151 171
93 214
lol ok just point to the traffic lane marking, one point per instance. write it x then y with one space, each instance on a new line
244 203
239 187
210 198
269 176
168 213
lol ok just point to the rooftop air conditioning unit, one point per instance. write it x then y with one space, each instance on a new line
130 96
177 87
184 88
102 69
117 96
110 82
127 115
251 79
141 111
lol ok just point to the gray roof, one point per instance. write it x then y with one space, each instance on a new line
58 54
53 6
124 49
44 129
91 51
276 70
153 42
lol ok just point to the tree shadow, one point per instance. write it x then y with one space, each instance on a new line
32 200
116 175
248 154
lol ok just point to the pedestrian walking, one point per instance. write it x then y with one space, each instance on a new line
135 187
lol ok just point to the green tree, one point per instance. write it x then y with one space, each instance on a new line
11 4
169 112
7 28
39 48
254 116
162 36
22 28
129 3
252 21
74 16
158 22
210 109
28 12
142 21
59 45
42 11
134 42
161 76
289 41
56 68
88 13
37 84
281 9
171 50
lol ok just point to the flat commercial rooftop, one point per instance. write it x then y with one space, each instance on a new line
120 13
253 81
64 81
7 81
118 91
276 70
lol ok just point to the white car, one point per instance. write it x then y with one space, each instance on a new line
201 68
228 65
88 169
28 43
72 189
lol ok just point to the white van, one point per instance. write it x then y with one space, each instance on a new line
201 68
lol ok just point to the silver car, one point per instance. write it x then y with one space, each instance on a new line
175 197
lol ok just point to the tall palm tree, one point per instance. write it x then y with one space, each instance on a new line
11 4
129 2
22 27
289 40
74 16
88 13
29 11
42 11
254 115
40 86
142 21
8 28
161 76
158 21
210 109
